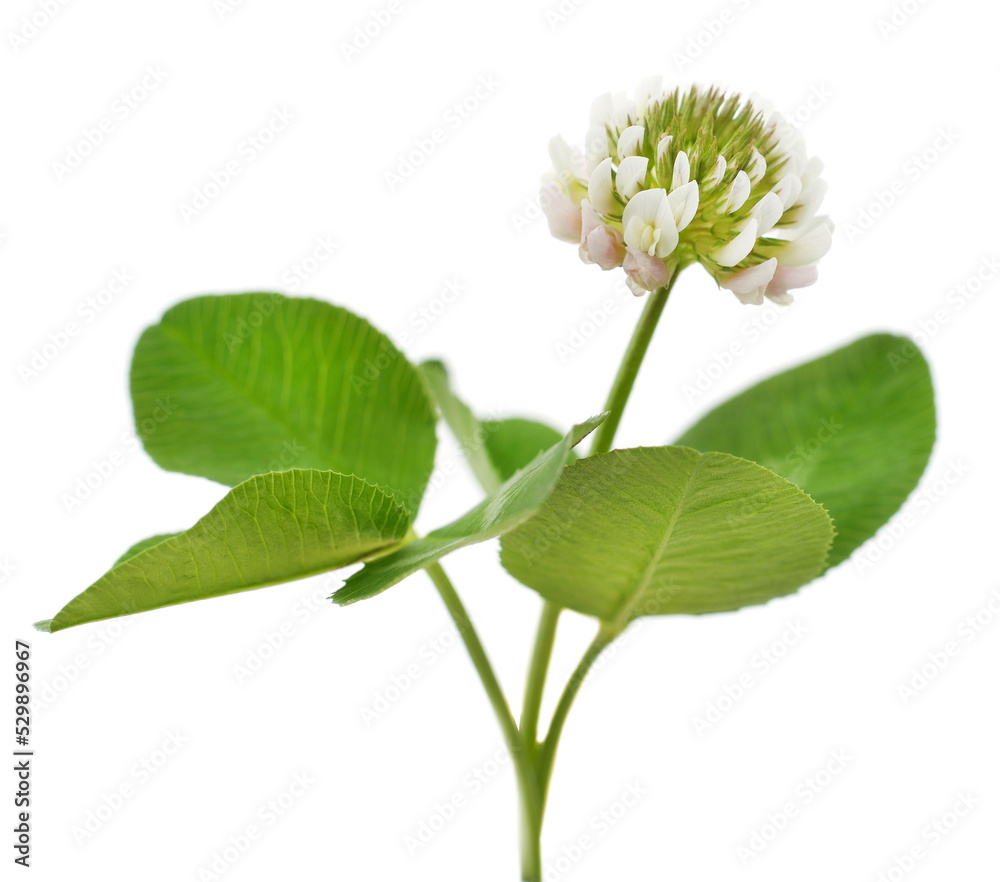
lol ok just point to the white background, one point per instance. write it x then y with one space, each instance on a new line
870 100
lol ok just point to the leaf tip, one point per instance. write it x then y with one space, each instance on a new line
343 597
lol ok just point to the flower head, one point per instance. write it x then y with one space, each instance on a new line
673 178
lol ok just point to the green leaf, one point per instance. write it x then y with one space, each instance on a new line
271 528
231 386
143 544
513 443
854 429
659 530
495 449
511 504
463 423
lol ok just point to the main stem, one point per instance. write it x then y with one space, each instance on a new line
533 761
542 755
546 757
537 672
527 779
629 368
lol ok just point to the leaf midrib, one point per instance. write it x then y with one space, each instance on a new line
624 616
215 369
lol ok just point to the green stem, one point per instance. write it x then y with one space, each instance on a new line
546 759
478 654
527 780
629 368
537 672
543 754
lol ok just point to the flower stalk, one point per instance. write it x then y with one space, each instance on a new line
669 179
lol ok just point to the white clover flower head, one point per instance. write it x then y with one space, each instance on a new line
677 177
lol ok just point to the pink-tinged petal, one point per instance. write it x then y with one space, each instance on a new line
565 219
591 219
749 284
644 273
635 287
786 277
599 243
605 248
